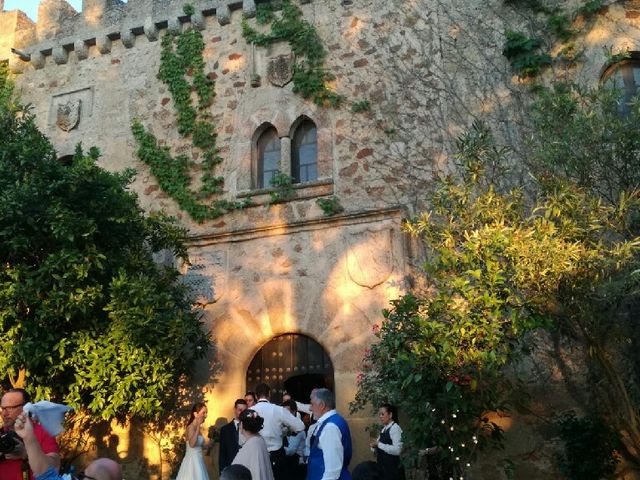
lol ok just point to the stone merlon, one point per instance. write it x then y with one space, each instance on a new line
60 29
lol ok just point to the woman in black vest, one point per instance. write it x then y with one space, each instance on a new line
389 444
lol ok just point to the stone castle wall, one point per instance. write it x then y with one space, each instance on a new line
428 70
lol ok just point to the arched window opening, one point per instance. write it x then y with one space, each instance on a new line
304 153
66 160
268 153
624 76
293 363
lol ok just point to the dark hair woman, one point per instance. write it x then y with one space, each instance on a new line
192 466
253 454
389 444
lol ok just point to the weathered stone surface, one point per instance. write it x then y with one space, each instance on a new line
150 189
37 60
103 44
249 8
223 14
197 20
174 25
81 49
60 55
128 38
347 172
52 14
206 276
370 257
365 152
150 30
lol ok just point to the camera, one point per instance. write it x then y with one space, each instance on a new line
8 442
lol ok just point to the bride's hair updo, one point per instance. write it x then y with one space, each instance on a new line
251 421
195 409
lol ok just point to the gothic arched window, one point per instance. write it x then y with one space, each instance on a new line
268 157
304 152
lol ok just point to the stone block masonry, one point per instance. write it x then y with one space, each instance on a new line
61 30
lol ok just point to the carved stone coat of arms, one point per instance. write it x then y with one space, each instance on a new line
280 70
68 115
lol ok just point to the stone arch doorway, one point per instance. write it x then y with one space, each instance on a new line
293 363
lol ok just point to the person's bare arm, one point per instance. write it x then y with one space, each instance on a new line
191 435
38 460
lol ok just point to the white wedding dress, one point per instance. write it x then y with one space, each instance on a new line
192 466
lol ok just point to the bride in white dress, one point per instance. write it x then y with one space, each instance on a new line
192 466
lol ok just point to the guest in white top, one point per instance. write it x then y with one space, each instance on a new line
388 446
276 419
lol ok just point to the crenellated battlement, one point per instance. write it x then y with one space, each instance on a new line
60 29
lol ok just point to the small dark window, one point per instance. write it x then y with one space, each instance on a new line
304 153
625 77
66 160
268 150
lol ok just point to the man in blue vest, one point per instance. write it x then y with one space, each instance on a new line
330 445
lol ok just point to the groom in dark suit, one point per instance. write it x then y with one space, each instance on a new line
229 436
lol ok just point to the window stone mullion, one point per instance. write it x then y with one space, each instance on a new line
285 155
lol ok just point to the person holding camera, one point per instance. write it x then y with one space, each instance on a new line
99 469
13 454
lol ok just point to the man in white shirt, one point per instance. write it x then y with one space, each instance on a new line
330 443
276 420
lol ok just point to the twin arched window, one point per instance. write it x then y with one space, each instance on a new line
302 165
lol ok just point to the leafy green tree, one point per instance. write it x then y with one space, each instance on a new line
587 136
499 265
85 313
590 137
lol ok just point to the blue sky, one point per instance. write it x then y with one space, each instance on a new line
30 7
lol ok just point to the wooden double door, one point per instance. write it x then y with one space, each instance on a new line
291 363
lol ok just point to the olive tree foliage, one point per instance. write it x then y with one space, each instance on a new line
587 136
86 315
500 264
590 137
